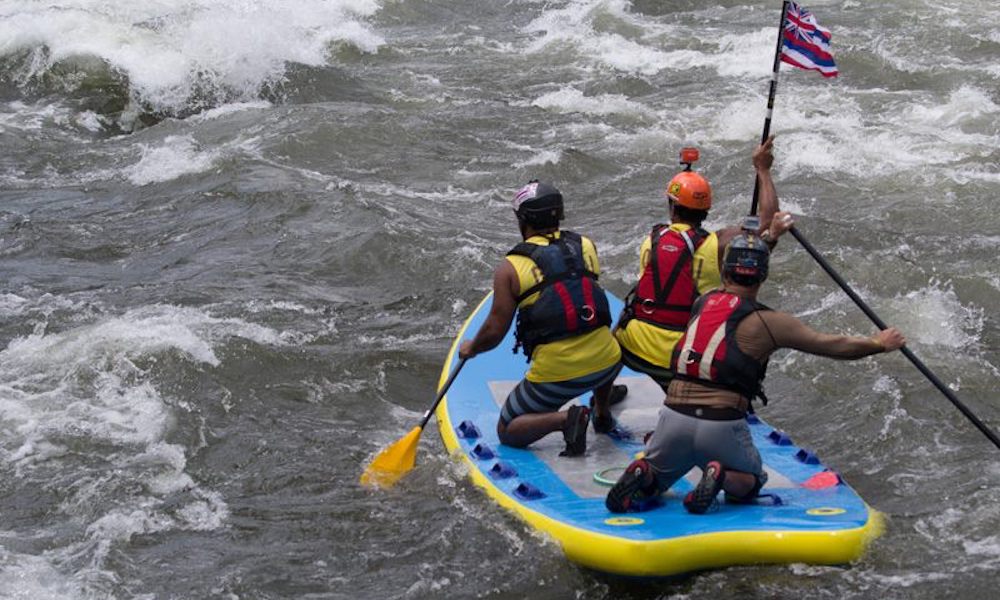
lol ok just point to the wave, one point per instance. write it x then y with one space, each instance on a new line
139 62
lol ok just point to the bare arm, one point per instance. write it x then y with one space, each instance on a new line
768 197
790 332
767 200
505 290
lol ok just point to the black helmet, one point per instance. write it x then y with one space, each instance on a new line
746 258
539 204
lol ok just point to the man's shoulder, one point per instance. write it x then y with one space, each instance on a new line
727 233
776 317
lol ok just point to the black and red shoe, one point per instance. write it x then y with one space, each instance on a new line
636 485
702 497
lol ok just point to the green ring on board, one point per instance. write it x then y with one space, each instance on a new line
601 477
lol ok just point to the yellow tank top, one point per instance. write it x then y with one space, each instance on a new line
572 357
655 344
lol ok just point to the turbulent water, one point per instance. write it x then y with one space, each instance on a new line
237 239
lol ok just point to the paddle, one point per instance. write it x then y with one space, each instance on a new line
398 459
906 351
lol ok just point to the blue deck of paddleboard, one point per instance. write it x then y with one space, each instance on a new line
563 488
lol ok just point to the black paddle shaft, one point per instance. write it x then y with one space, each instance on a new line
906 351
444 390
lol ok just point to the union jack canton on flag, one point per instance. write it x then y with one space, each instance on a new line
805 44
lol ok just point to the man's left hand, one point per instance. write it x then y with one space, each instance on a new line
762 156
780 223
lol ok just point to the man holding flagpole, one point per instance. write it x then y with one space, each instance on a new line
680 261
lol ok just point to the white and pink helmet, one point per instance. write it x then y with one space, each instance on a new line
538 204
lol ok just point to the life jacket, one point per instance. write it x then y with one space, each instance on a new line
707 353
668 287
570 301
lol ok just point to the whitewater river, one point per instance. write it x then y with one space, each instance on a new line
237 239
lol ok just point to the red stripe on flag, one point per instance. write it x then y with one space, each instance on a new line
797 42
787 59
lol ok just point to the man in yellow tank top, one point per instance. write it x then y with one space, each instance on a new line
563 319
678 262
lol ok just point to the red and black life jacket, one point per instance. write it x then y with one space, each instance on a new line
570 301
667 289
707 353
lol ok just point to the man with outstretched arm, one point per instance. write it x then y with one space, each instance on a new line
720 363
678 262
550 280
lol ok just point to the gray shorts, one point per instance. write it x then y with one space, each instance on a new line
681 442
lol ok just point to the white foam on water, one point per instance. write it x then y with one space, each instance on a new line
831 300
23 117
969 528
83 385
908 580
38 367
833 127
178 156
838 130
571 100
229 109
965 103
648 46
424 586
540 158
475 250
985 547
886 387
172 51
573 26
388 341
12 305
257 306
934 316
83 382
90 121
30 577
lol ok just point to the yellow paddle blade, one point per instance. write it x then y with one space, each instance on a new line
393 462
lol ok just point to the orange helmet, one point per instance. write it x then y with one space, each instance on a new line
690 189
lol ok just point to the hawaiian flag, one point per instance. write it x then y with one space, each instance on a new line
805 44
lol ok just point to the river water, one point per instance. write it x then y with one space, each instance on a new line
237 239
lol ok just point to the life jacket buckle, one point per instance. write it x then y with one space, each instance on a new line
587 313
647 306
692 357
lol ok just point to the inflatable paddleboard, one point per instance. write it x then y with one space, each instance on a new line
806 514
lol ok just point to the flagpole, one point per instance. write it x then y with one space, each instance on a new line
983 428
770 99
